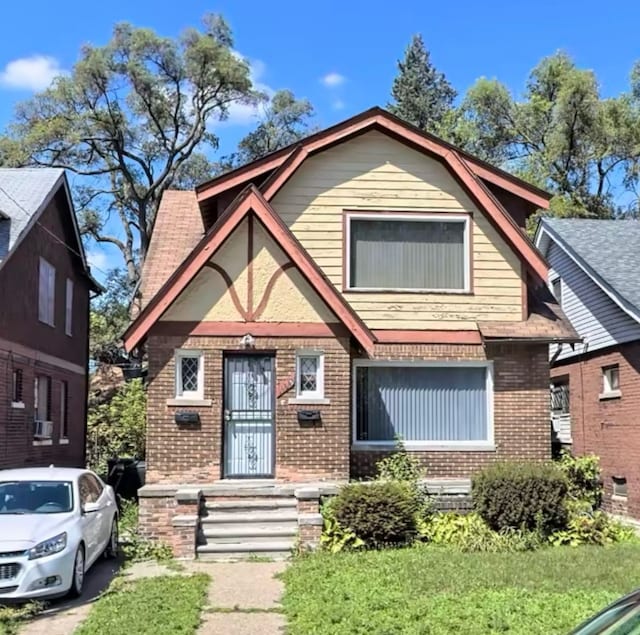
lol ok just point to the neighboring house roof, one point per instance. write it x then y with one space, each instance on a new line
24 195
23 192
178 228
380 119
250 200
607 250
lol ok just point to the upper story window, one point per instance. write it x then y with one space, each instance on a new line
46 292
408 253
189 374
68 312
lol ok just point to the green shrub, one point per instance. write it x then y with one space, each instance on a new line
334 537
528 496
597 528
405 468
468 532
583 476
379 513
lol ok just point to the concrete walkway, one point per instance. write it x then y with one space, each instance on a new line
243 598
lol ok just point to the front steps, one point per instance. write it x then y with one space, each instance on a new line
253 523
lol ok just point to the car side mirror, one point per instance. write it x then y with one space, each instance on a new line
90 508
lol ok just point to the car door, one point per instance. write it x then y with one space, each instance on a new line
91 521
105 512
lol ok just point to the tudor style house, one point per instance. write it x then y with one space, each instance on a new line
596 384
45 285
371 282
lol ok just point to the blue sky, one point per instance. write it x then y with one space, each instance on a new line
339 54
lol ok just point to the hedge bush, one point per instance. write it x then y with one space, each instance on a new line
528 496
378 513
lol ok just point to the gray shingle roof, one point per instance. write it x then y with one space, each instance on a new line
22 192
610 248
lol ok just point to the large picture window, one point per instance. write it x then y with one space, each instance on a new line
412 253
426 405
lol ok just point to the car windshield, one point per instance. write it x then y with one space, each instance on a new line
36 497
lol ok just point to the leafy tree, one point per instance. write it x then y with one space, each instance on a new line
421 94
285 121
109 318
133 119
562 135
117 427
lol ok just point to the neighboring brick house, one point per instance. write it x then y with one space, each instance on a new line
45 285
596 384
370 281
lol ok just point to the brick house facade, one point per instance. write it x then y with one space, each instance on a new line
593 273
37 224
277 350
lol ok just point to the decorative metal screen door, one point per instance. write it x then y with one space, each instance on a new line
248 416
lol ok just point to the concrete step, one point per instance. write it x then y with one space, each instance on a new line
224 534
250 505
279 550
244 518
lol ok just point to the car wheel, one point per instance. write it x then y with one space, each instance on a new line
111 550
77 581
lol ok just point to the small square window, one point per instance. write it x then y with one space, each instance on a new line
189 375
611 379
310 375
619 486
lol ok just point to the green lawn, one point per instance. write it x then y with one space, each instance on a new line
167 605
432 591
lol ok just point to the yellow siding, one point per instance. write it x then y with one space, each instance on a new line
375 172
290 299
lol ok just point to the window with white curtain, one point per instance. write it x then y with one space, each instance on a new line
68 312
414 253
424 404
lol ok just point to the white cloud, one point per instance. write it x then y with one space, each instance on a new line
337 104
99 259
247 114
330 80
31 73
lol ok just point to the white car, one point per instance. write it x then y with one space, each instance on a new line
54 524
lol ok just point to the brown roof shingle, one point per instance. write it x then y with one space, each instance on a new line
546 323
177 230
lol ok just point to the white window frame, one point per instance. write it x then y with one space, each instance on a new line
318 393
426 218
183 353
46 293
68 308
487 444
607 390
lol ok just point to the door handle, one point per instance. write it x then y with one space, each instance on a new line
227 414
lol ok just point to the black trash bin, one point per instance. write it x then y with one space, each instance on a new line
126 476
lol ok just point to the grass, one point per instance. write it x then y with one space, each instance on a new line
165 605
431 591
11 617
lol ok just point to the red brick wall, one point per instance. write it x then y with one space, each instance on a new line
607 428
174 454
16 424
180 454
521 407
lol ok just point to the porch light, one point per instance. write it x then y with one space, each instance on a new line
248 341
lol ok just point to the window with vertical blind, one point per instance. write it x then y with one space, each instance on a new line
46 292
411 253
42 398
64 409
425 404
